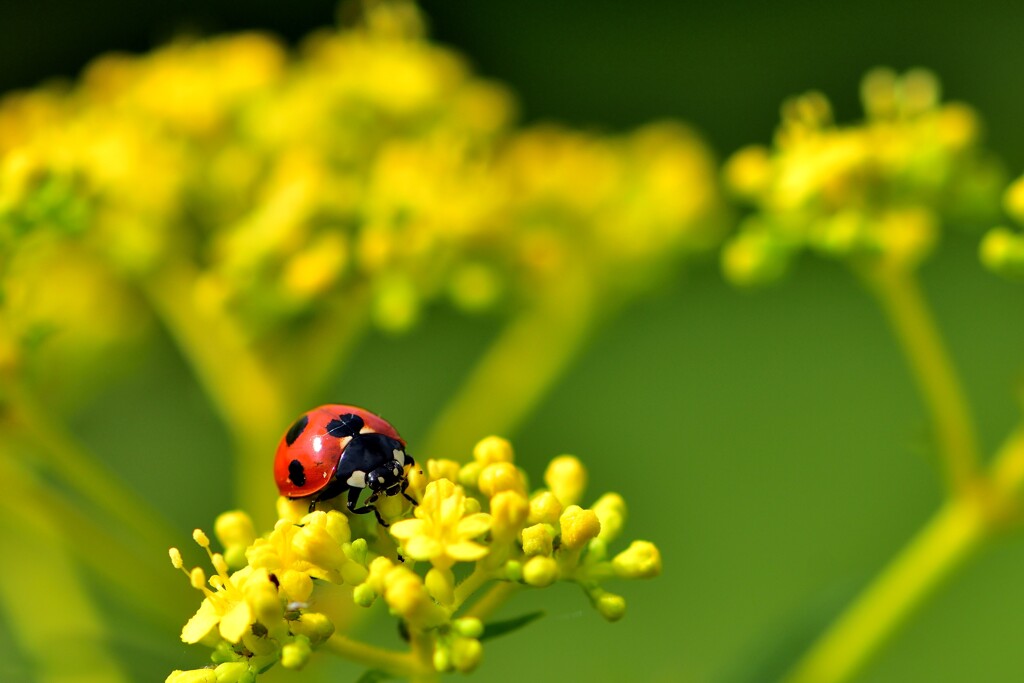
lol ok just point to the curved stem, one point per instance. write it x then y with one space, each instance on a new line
515 372
911 319
952 537
44 514
243 390
83 472
403 664
58 626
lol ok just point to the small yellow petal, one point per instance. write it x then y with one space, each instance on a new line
236 622
465 551
422 548
201 623
474 525
408 528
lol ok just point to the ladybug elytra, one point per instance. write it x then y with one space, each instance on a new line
339 448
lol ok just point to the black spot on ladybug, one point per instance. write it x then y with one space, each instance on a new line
296 473
346 425
296 429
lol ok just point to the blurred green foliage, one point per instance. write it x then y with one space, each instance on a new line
790 449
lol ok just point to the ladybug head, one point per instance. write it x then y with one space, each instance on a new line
387 478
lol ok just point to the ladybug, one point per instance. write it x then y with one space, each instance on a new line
337 448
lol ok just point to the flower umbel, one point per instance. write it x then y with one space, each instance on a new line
454 565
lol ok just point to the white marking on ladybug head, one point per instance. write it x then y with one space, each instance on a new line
318 444
366 430
358 479
394 471
399 456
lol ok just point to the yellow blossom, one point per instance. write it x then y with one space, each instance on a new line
442 531
578 526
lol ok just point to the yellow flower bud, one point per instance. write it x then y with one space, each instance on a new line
611 511
469 475
442 658
748 171
176 558
1002 251
313 625
443 469
538 539
566 478
466 654
753 257
578 526
501 476
1013 200
295 654
200 538
234 529
470 627
231 672
509 510
545 507
610 606
540 571
641 560
316 546
491 450
364 595
440 584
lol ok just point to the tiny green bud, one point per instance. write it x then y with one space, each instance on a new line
470 627
442 658
514 570
610 606
363 595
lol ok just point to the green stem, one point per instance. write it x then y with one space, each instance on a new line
520 366
244 391
66 459
403 664
953 536
58 625
423 653
43 513
471 585
910 317
492 600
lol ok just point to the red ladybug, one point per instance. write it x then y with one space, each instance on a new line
337 448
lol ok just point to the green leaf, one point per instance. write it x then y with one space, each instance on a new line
374 676
500 628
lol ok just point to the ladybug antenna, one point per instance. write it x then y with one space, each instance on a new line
346 425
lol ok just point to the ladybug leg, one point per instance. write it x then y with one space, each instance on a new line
350 502
405 485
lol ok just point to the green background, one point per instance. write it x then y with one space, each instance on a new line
771 443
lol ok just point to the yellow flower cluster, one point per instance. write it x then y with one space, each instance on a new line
277 606
875 192
1002 249
371 173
